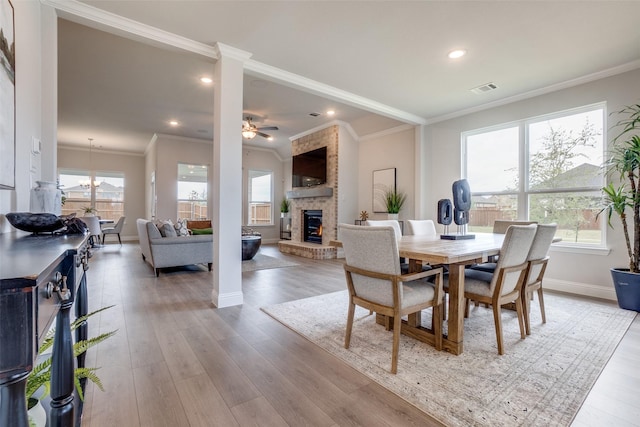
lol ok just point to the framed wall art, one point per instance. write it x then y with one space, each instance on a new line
7 97
383 181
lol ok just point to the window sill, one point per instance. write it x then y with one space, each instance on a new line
585 250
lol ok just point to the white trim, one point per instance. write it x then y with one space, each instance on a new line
264 149
582 289
324 126
226 300
223 50
305 84
97 18
583 250
387 132
542 91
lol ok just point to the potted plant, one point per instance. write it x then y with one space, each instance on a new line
625 162
394 201
285 205
89 211
40 376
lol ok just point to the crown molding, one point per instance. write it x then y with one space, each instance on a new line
286 78
630 66
340 123
394 130
97 18
223 50
263 149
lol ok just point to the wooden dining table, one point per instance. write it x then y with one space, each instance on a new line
456 255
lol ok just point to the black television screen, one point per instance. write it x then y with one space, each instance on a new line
310 168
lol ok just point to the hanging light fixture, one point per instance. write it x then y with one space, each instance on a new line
86 184
249 130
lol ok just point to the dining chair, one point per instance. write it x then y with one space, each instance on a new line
537 259
375 282
386 223
424 227
505 284
500 226
117 229
93 225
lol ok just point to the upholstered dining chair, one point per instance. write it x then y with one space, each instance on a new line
386 223
117 229
505 284
375 282
500 226
537 259
423 227
93 224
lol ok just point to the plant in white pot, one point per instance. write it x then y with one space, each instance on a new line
394 200
624 198
285 205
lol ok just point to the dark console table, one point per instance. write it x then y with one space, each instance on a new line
41 278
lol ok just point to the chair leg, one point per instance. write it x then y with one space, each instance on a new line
347 335
466 308
526 311
497 318
520 313
119 239
397 324
541 302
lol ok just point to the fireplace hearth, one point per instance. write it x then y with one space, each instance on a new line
312 226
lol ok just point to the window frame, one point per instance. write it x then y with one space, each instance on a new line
250 201
199 200
524 192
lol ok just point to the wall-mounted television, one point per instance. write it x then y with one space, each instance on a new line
310 168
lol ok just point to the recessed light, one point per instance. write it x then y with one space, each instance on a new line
458 53
206 80
174 123
330 112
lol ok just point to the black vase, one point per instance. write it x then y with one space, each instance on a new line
627 286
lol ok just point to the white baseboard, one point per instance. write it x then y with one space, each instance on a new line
603 292
226 300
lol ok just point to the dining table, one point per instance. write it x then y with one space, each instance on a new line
456 255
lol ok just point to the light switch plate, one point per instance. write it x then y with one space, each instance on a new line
36 146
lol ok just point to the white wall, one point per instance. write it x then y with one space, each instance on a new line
347 176
33 26
586 273
133 168
395 150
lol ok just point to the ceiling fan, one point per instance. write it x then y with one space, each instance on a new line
249 130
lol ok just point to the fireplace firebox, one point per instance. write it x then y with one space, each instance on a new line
312 226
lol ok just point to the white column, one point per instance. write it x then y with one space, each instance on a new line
227 176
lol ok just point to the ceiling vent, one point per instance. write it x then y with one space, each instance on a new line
484 88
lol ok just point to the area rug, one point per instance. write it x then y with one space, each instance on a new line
540 381
264 262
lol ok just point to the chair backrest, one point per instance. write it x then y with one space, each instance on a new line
500 225
386 223
372 249
93 224
514 251
424 227
540 247
119 225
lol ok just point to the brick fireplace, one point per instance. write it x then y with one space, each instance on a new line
322 200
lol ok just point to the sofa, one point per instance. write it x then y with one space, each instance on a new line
163 252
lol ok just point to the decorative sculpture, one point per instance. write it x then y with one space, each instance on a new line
445 214
462 206
364 215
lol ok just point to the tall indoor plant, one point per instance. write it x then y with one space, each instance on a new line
624 161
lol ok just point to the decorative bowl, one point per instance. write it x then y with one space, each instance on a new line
35 222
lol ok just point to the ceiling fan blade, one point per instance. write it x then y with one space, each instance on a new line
268 128
264 135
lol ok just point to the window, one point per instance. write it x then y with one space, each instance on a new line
260 198
192 191
545 169
102 191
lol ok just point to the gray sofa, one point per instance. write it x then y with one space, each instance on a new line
163 252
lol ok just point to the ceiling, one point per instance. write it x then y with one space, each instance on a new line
387 61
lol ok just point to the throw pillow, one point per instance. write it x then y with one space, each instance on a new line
169 230
196 231
181 227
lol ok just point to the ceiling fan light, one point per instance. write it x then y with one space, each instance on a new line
248 133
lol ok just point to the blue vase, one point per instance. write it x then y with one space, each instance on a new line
627 287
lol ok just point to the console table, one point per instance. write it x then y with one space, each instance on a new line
41 277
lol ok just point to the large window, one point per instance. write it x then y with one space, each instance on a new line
192 191
101 191
260 198
545 169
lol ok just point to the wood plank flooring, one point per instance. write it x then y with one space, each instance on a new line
178 361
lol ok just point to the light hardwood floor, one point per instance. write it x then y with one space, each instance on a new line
177 361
